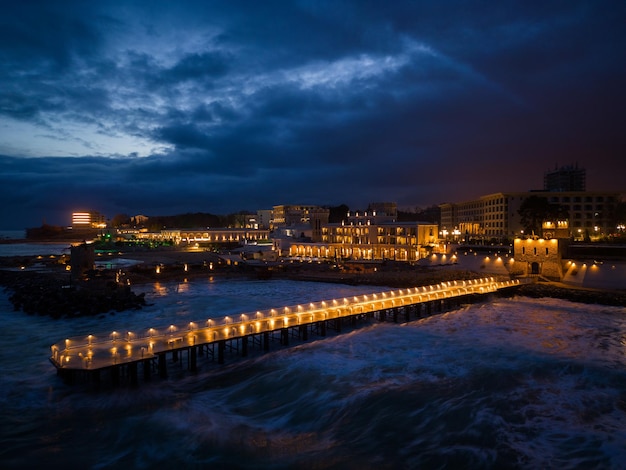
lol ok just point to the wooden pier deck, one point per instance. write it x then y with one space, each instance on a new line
119 353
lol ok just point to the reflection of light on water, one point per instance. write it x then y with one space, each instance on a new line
117 263
159 289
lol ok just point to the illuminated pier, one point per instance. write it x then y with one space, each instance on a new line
119 353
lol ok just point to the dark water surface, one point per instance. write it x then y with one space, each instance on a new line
512 383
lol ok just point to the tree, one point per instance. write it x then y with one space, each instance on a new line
338 213
119 220
535 210
430 214
619 215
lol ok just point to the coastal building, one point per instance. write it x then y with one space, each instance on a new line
404 241
206 235
263 218
537 256
376 213
495 216
373 234
565 179
542 256
303 222
590 214
88 220
290 215
247 221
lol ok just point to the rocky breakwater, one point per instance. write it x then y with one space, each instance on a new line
573 294
45 294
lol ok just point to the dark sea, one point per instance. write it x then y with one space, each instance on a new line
12 234
507 383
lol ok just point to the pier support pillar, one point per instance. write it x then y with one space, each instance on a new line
193 359
146 369
221 346
304 332
133 373
284 336
394 312
244 346
382 315
323 327
266 341
162 366
175 355
115 376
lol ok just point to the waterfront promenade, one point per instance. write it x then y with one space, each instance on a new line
119 353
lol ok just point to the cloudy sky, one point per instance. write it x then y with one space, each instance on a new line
158 107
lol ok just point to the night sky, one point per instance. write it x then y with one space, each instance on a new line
157 107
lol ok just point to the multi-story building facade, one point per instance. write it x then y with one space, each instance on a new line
373 234
377 213
406 241
88 220
297 221
264 218
213 235
564 179
286 215
496 215
590 213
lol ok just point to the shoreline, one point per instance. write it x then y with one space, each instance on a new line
555 290
42 286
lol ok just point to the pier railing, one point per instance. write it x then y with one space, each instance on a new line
102 350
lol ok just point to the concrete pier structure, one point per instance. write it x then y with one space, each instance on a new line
120 356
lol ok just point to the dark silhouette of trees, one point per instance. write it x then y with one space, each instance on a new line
189 220
237 220
120 220
430 214
534 210
619 215
337 213
45 231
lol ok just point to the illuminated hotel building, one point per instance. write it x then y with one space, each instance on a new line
496 215
88 220
399 241
373 234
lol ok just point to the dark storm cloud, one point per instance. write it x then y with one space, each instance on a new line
220 106
43 35
195 66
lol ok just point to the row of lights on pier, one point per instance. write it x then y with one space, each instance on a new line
288 310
